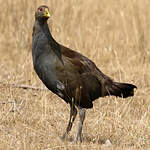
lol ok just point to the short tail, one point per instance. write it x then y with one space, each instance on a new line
121 89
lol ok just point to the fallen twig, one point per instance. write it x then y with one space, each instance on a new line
22 86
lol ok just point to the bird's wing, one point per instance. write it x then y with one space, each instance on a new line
83 64
87 69
80 62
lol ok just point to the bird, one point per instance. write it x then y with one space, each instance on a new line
70 75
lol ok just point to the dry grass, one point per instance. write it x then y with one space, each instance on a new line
115 35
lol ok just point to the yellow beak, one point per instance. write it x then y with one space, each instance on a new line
46 13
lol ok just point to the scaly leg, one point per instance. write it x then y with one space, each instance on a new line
80 124
73 113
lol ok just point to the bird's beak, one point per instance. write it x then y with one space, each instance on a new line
46 13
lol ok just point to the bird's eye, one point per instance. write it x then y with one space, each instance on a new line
40 9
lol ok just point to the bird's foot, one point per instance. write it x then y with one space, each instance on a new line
78 139
64 137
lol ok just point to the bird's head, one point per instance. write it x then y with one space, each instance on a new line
42 13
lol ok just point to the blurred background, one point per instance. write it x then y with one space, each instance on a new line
115 35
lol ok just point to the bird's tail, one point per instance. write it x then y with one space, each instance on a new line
121 89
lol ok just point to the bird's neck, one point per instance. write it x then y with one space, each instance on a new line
42 27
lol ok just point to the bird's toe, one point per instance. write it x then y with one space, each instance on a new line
64 137
78 139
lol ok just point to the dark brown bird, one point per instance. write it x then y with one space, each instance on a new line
69 74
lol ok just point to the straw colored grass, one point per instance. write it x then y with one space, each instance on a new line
115 35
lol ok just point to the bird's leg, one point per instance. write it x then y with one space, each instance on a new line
80 124
73 113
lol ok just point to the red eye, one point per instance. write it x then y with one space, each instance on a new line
40 9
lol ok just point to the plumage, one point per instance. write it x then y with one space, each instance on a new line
69 74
